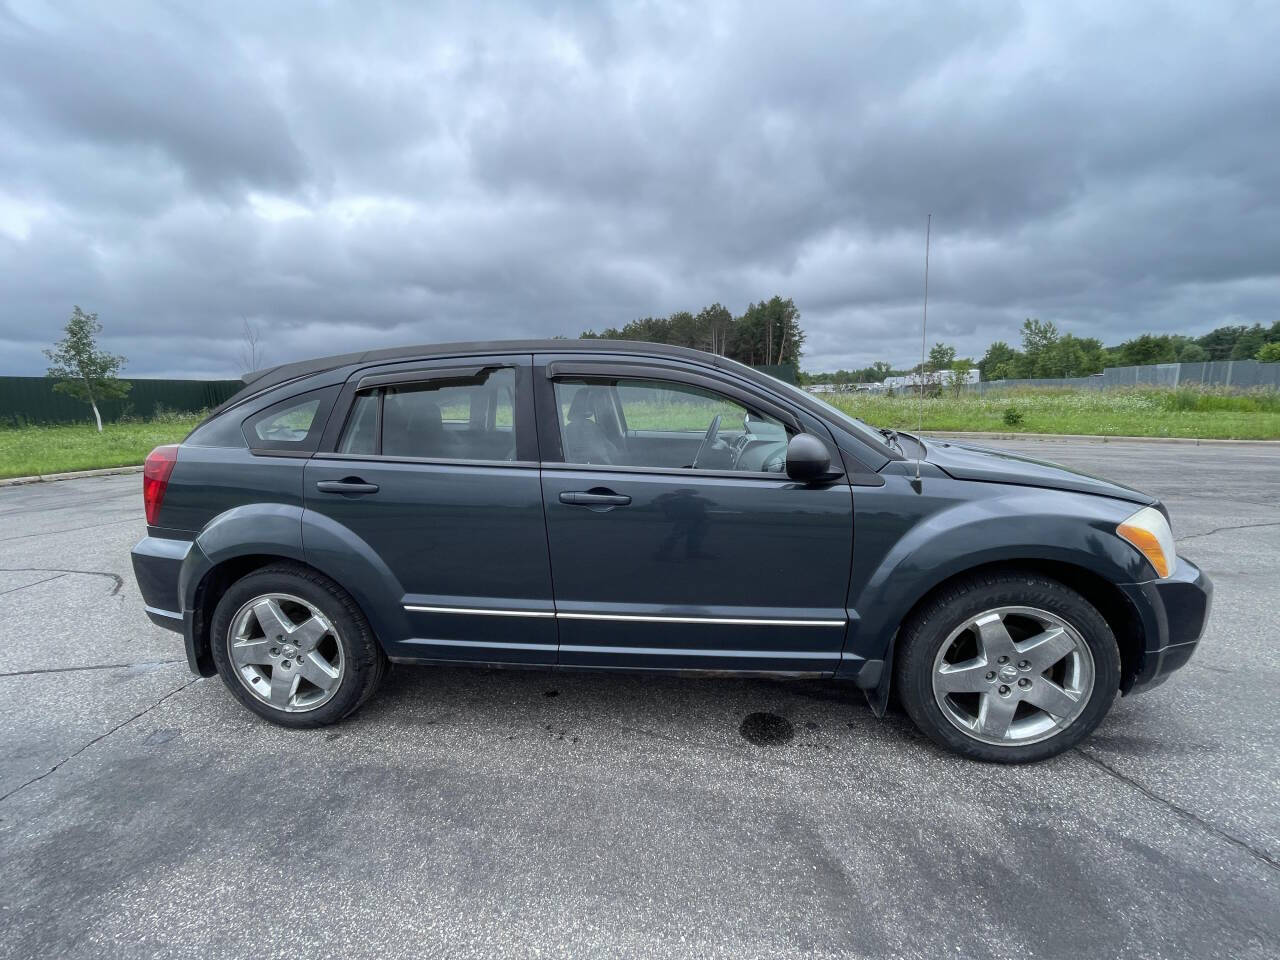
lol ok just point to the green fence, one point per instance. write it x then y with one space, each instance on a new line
783 371
33 400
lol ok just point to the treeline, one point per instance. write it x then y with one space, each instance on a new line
767 332
1046 353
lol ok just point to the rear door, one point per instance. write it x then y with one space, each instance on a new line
430 469
678 546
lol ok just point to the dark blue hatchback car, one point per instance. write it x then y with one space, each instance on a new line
614 505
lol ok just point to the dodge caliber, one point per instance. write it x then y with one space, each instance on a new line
597 504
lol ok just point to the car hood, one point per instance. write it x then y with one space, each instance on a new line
966 461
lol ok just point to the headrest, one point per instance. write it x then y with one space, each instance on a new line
583 403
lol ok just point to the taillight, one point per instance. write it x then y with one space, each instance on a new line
155 478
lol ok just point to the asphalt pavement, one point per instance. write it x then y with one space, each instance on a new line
467 812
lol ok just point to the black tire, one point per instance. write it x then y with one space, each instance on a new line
928 627
364 663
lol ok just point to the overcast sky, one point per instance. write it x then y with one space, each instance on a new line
384 173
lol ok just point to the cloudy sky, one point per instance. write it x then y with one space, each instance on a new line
370 174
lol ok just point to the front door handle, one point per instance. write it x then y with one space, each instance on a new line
588 498
352 486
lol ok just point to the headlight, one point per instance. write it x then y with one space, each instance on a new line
1149 533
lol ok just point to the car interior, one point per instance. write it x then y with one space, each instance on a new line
667 425
442 420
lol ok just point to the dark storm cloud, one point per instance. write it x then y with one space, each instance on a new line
386 173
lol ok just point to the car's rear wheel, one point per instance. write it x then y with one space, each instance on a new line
1007 667
293 646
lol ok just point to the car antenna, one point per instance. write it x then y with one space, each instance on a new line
924 319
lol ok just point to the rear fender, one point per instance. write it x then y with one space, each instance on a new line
257 529
281 530
341 554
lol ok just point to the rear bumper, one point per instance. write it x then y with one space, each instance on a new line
157 566
1174 613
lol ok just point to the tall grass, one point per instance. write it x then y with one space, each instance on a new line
30 450
1205 412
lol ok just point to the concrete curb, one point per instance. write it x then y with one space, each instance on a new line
1088 437
73 475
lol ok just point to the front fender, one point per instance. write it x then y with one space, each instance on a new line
907 542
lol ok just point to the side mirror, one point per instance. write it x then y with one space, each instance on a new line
807 458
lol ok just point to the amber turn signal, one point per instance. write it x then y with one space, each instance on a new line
1148 531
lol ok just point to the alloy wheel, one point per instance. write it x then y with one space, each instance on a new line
1013 676
285 652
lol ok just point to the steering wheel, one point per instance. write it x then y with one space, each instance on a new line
707 440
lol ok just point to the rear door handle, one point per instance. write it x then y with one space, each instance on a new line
584 498
351 487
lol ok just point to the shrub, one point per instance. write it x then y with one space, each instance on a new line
1012 416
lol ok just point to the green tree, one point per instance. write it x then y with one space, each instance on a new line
714 324
999 362
81 370
1193 353
1269 352
1038 337
1249 343
1149 348
1220 342
768 332
1072 356
941 357
958 374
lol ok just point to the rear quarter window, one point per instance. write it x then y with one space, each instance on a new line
221 431
292 425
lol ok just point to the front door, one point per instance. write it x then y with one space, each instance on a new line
676 539
433 475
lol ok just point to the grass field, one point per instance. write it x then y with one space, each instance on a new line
1203 413
26 451
1186 412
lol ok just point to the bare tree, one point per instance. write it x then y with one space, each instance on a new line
251 354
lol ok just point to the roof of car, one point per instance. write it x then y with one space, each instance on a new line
270 376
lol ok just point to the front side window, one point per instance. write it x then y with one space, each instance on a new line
441 419
656 423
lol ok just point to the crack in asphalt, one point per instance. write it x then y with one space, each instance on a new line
119 580
1220 499
34 583
94 666
52 533
1238 526
98 739
62 503
1188 815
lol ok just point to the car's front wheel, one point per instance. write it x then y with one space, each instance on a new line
1007 667
293 646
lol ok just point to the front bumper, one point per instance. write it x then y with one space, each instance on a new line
1174 612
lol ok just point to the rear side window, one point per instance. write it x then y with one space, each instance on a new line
439 419
222 431
291 425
